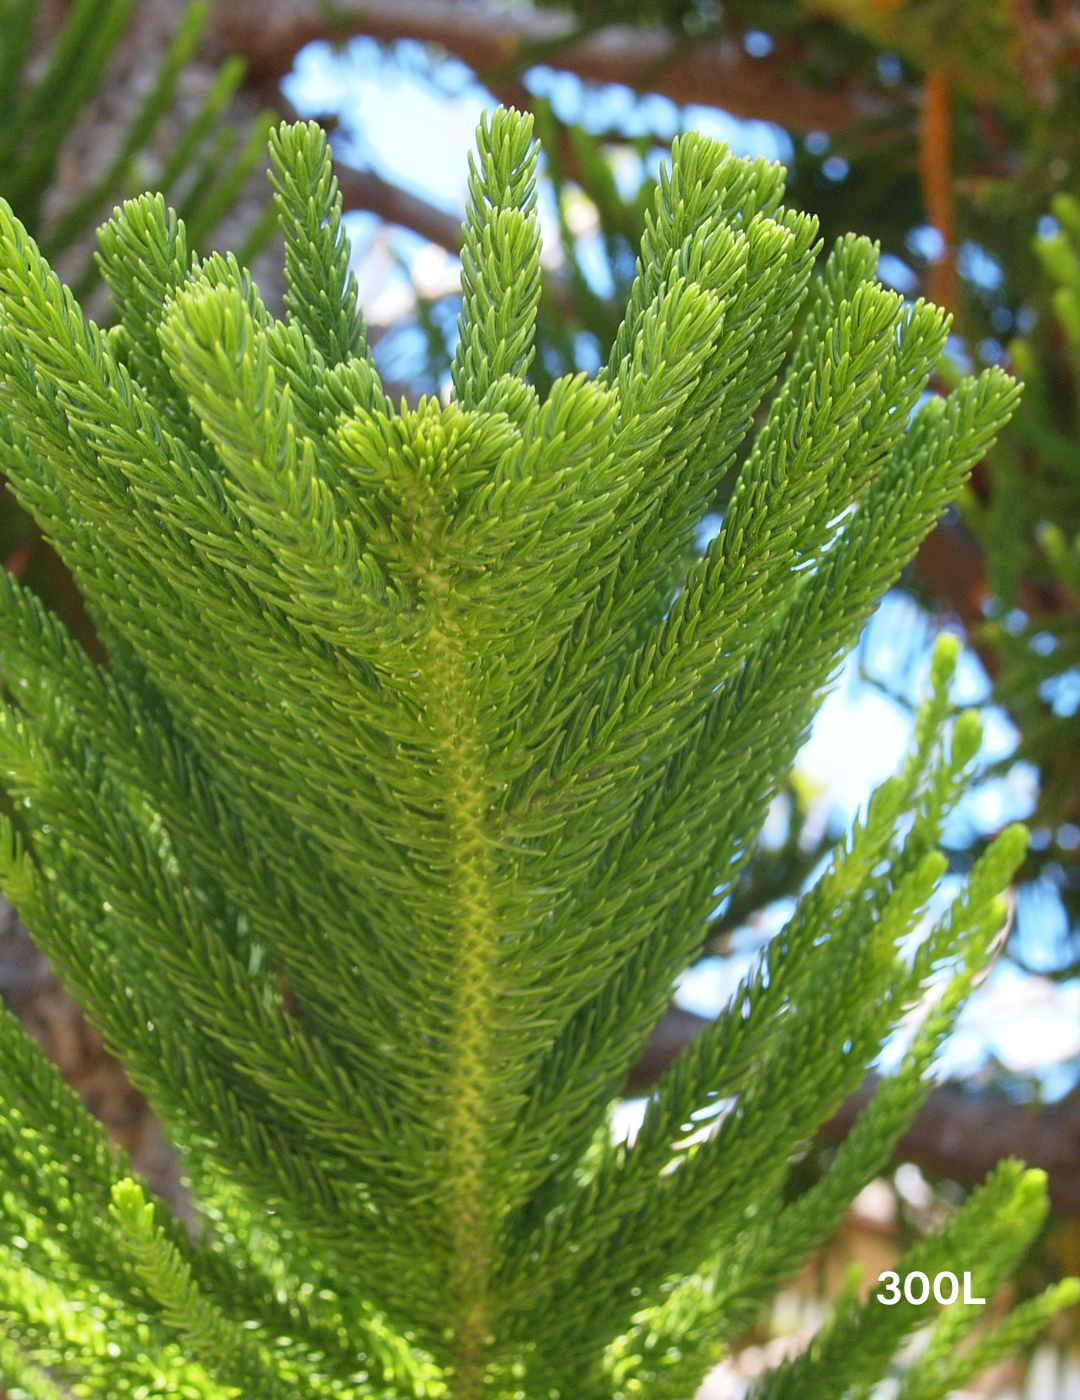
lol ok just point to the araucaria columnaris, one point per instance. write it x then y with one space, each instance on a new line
426 745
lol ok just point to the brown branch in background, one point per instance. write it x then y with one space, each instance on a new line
963 1135
957 1133
363 189
935 171
951 565
719 72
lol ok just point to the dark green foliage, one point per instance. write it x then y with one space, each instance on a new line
424 754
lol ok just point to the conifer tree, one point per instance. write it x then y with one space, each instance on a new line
425 748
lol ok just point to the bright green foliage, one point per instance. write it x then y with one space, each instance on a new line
996 1225
426 748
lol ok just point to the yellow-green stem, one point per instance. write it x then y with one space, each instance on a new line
476 927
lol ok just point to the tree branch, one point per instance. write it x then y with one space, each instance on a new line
962 1135
957 1133
363 189
951 565
269 33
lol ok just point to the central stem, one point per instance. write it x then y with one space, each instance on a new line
472 1049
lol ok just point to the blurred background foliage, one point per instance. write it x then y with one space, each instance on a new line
54 64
